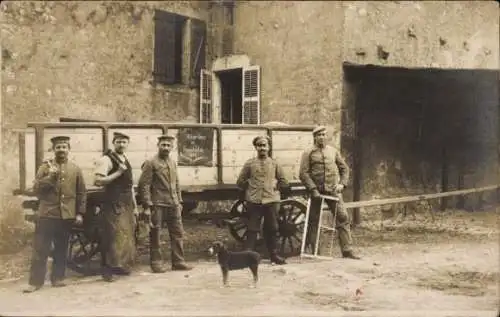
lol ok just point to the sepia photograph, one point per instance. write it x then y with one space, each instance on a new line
250 158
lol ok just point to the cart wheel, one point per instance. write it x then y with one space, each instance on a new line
84 244
81 253
291 227
238 222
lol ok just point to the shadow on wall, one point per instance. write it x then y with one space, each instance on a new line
421 130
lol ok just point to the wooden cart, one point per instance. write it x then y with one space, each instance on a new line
209 159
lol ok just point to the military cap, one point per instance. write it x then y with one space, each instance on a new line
259 138
119 135
165 137
318 129
60 139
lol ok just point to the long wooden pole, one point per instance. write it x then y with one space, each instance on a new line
407 199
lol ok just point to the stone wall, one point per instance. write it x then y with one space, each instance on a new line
94 59
440 34
88 60
301 47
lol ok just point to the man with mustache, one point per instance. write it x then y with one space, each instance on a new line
262 178
60 188
161 197
114 173
323 171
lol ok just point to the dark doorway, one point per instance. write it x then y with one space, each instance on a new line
413 131
231 102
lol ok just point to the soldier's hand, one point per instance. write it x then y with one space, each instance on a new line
79 219
53 170
339 188
146 213
315 193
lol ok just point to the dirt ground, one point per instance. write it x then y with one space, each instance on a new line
448 267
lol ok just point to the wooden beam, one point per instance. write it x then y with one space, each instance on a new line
407 199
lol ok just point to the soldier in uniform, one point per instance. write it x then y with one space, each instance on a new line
323 171
114 173
262 179
161 197
60 188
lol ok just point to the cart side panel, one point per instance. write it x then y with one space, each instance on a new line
237 148
288 147
196 175
86 148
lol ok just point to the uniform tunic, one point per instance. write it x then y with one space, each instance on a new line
159 189
62 196
262 179
322 169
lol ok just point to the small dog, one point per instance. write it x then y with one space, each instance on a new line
230 261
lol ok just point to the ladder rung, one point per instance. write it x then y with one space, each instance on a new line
328 228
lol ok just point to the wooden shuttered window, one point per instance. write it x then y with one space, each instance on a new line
251 95
198 49
206 111
168 47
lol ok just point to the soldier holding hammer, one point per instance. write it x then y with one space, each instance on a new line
60 187
114 173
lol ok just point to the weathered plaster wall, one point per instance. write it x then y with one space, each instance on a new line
299 48
87 60
447 34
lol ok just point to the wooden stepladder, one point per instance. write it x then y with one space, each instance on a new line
323 207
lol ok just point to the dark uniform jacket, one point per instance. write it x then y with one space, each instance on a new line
159 183
322 169
62 195
262 179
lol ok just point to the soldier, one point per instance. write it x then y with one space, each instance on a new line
114 173
262 178
60 188
323 171
161 197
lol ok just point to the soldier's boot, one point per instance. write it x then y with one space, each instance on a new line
32 288
155 258
251 240
272 247
350 255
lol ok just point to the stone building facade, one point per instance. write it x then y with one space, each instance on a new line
103 60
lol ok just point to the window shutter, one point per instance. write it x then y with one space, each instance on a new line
164 47
198 40
251 95
205 96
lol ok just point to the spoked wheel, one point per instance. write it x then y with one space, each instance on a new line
291 227
82 252
84 244
238 222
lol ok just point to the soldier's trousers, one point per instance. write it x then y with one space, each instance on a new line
342 223
173 218
268 212
48 231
